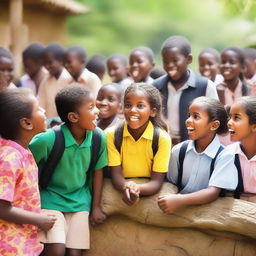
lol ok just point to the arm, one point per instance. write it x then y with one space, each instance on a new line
172 203
20 216
97 215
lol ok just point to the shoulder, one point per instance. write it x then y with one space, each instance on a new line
159 82
89 76
233 148
176 148
163 135
43 138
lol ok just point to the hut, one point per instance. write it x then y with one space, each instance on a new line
26 21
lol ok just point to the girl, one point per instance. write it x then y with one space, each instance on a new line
141 63
231 68
109 104
242 128
142 111
21 118
209 62
206 168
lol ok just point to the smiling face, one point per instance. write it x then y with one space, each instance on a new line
116 70
208 66
175 63
140 66
108 101
239 127
230 66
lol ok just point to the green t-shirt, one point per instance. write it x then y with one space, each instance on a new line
67 190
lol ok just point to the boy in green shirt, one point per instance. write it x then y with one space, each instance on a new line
68 194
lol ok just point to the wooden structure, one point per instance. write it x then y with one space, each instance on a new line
25 21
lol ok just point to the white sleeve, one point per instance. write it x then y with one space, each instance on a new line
211 90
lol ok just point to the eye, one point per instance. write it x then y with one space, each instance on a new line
127 105
140 106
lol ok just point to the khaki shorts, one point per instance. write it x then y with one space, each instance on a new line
71 229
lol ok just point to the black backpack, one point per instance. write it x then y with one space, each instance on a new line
239 189
57 152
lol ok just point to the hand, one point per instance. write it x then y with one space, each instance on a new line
169 203
97 216
46 222
131 193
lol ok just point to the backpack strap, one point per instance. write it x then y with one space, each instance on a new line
53 158
240 186
155 140
214 159
95 149
182 154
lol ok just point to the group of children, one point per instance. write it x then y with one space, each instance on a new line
137 114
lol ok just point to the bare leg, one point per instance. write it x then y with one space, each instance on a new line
54 250
74 252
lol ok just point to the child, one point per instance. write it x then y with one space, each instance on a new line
117 67
57 78
206 167
209 62
109 104
242 128
7 66
157 72
180 86
68 193
21 118
250 69
35 73
75 59
231 68
96 65
141 63
134 156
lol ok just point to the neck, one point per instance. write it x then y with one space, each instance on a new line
248 147
77 75
23 140
202 144
57 75
78 134
177 84
232 84
105 122
136 133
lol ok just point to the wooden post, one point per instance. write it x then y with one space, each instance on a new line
16 16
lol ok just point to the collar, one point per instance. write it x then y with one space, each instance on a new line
70 141
236 149
211 149
147 134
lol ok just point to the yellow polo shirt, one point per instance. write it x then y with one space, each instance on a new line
136 157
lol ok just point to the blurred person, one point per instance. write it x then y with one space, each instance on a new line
96 64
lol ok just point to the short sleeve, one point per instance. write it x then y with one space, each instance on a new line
10 173
211 90
114 157
225 173
103 156
161 159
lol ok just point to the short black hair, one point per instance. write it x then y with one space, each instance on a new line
122 58
250 53
96 64
14 105
56 50
179 42
116 86
213 52
69 99
157 72
34 52
215 111
146 50
80 52
5 53
240 53
249 105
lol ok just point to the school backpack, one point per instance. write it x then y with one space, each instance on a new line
57 152
239 189
118 138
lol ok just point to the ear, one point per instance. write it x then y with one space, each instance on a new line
254 128
26 124
153 112
215 125
73 117
190 58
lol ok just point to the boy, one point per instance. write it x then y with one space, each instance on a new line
68 194
32 58
96 65
75 59
57 78
180 86
250 69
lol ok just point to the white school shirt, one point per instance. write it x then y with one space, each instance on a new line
196 168
174 100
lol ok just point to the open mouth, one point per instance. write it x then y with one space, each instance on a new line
135 73
133 118
172 72
231 131
207 73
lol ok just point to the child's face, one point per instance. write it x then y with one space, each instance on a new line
140 66
137 109
198 125
175 63
31 67
87 114
250 68
116 70
208 66
7 67
230 66
238 124
53 65
73 64
108 102
38 117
